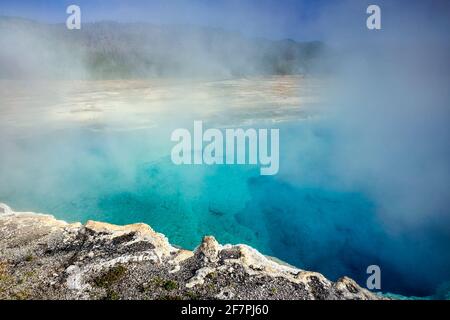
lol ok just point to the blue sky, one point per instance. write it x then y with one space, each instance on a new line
275 19
265 18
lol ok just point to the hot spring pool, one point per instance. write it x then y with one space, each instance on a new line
304 215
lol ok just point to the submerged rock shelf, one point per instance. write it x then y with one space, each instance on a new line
45 258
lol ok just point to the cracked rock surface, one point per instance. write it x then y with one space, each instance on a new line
45 258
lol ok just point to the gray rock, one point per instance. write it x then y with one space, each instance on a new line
45 258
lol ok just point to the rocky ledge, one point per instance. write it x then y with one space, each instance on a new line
45 258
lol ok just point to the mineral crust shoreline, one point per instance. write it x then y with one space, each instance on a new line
45 258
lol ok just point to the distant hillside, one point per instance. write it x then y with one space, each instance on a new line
115 50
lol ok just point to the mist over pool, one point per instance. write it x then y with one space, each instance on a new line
91 163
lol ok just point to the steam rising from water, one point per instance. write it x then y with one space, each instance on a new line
391 110
388 125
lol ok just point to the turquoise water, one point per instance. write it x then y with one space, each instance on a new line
302 215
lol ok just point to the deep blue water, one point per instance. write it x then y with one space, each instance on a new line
302 215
